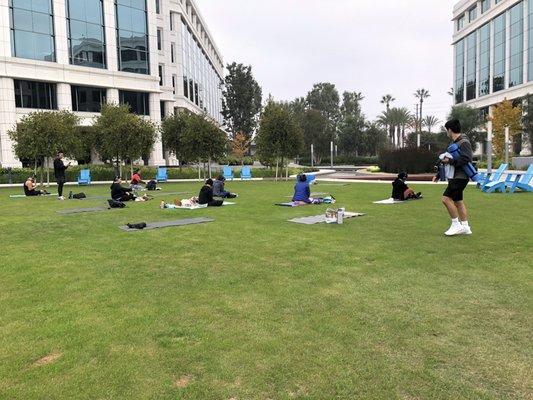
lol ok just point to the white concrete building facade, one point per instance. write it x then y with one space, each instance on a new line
155 55
493 51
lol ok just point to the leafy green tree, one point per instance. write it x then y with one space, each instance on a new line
324 97
279 137
352 125
505 114
471 121
121 135
527 119
351 104
172 132
317 132
202 140
241 102
41 134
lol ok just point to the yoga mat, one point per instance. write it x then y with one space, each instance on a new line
82 210
167 224
19 196
199 206
392 201
318 219
287 204
319 194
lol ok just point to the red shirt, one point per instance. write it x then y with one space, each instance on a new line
135 179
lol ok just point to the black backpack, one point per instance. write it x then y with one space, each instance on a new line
115 204
151 185
79 196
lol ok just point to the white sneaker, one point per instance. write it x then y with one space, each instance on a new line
455 230
61 198
467 230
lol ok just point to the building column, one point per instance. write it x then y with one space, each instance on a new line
112 96
5 39
60 31
491 57
110 35
64 96
156 158
8 120
525 59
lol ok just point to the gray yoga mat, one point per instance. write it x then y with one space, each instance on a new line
22 196
82 210
318 219
167 224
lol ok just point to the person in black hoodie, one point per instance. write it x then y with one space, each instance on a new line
400 190
119 192
59 173
206 195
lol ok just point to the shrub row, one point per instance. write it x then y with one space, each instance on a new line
412 161
107 173
343 160
236 161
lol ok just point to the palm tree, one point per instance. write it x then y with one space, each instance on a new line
421 95
403 119
430 121
387 99
397 119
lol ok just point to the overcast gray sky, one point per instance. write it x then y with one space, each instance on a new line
370 46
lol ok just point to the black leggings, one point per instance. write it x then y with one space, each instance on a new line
60 188
215 203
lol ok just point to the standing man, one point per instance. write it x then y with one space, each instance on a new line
59 172
453 195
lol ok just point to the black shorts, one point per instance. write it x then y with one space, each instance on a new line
455 189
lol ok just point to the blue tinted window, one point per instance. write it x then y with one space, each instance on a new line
32 94
88 99
499 53
484 60
132 38
86 33
138 101
32 29
516 65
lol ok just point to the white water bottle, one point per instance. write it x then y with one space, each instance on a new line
340 216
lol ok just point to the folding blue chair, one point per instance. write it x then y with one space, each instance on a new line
227 172
246 173
493 178
310 178
162 175
84 178
522 182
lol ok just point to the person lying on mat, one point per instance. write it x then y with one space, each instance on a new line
119 192
206 195
187 203
30 188
400 190
302 192
220 191
136 180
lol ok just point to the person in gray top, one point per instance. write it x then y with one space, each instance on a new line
219 189
452 197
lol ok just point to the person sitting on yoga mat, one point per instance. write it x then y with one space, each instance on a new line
136 180
302 192
29 188
206 195
220 191
400 190
119 192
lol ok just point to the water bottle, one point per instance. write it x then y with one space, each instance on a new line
340 216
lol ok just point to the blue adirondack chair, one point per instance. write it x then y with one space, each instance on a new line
227 172
246 173
522 181
498 186
493 178
162 175
84 178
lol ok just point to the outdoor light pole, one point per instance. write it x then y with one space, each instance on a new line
489 147
507 145
312 156
331 151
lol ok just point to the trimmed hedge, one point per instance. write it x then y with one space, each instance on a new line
234 161
343 160
412 161
107 173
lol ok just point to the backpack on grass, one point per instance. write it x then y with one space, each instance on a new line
79 196
151 185
115 204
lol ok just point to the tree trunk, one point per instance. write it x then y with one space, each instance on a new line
42 173
131 167
209 167
277 166
47 172
199 173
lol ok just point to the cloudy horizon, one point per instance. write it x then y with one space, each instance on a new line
374 47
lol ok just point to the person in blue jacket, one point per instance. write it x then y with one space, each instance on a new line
302 192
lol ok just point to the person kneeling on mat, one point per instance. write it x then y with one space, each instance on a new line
119 192
220 191
400 190
206 195
29 188
302 192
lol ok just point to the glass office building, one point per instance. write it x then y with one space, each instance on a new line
156 56
493 51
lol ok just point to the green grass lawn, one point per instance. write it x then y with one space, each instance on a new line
253 307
